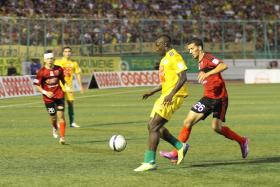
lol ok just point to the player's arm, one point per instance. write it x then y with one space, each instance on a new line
78 76
182 80
37 82
152 92
218 69
44 92
62 80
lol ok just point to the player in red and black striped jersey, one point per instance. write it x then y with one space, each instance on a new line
214 100
47 82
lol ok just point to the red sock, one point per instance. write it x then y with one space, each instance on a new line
183 137
184 134
62 129
228 133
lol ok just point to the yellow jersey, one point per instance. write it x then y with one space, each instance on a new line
70 67
170 66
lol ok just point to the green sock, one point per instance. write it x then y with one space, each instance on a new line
71 113
150 157
176 143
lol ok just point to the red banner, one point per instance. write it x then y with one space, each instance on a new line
16 86
126 79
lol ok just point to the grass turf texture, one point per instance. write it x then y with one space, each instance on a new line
29 156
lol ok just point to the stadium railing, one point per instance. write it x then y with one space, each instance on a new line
24 38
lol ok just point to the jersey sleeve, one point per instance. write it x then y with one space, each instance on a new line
215 62
76 68
179 64
38 80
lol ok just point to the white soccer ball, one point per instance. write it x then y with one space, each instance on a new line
117 143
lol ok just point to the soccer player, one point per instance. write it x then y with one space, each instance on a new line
172 74
214 100
70 68
47 82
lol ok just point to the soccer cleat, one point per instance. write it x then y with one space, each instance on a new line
245 147
169 155
74 125
62 140
182 153
146 167
54 133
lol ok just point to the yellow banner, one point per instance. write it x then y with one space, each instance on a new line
94 64
7 62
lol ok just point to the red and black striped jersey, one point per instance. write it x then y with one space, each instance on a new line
49 79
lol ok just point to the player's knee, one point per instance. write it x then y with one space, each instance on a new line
187 124
60 108
53 118
152 127
216 127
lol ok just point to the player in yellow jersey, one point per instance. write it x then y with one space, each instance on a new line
172 74
70 68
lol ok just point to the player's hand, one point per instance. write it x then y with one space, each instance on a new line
146 95
202 76
168 100
67 88
49 94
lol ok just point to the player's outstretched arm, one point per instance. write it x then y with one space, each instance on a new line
152 92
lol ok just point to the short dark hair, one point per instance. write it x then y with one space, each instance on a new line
66 47
48 51
166 38
196 41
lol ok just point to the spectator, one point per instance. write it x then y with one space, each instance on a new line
11 71
35 66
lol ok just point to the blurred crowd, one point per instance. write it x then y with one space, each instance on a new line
128 21
150 9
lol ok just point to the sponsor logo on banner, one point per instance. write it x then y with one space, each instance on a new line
16 86
126 79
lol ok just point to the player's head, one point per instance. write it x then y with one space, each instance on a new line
49 58
67 52
195 47
163 44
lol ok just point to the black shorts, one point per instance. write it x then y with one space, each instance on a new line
56 105
207 106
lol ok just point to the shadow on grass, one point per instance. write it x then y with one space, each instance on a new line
251 161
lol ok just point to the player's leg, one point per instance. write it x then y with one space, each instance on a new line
61 119
154 125
51 109
191 119
70 103
217 125
159 116
232 135
199 111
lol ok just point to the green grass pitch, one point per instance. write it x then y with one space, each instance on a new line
29 156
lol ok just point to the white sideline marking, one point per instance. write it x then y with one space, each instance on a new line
80 97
